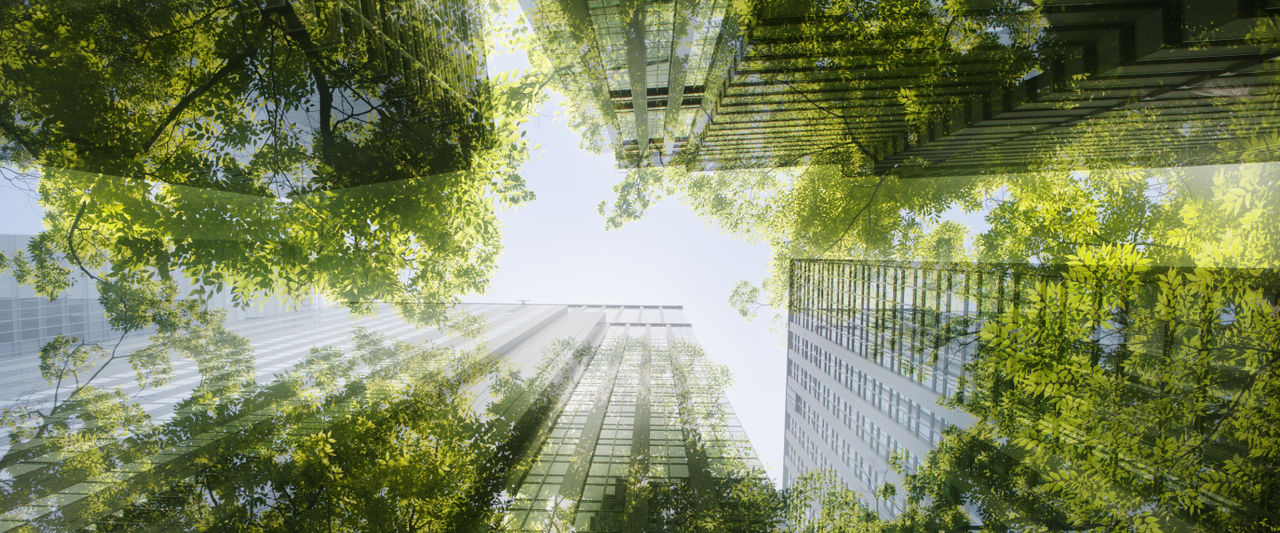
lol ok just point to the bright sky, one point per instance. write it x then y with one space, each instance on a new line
556 250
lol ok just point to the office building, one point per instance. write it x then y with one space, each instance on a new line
877 348
1197 72
645 406
648 70
693 85
868 360
608 393
28 320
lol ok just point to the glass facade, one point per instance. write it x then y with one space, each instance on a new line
802 89
646 407
866 366
879 352
647 65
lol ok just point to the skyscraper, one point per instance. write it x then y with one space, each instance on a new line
27 320
649 70
646 405
804 84
988 85
882 354
593 399
868 359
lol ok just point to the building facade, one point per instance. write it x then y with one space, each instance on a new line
649 70
878 350
806 83
27 320
989 86
645 404
872 349
589 398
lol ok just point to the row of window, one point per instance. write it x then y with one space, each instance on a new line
900 317
871 472
639 380
907 412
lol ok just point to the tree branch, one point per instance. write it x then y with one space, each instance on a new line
227 68
202 19
843 121
297 32
862 148
14 132
86 383
71 233
856 216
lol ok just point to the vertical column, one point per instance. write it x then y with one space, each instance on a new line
637 59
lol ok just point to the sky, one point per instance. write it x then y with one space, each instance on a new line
556 250
21 212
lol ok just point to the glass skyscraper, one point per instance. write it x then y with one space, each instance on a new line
866 367
605 396
649 70
878 350
692 84
645 405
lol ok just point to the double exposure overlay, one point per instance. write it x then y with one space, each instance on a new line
1019 265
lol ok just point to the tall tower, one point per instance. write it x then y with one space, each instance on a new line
808 81
650 70
644 405
596 409
867 366
882 353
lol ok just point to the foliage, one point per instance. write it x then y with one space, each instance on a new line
742 502
745 299
849 48
923 46
1108 393
1118 396
90 432
329 446
817 502
379 437
261 148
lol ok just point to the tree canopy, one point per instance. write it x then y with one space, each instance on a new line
269 148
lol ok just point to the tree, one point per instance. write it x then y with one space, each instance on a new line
87 433
1115 395
328 447
264 148
742 502
745 299
818 502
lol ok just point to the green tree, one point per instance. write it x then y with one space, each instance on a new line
264 148
744 502
818 502
1114 395
380 438
89 433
